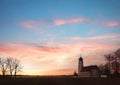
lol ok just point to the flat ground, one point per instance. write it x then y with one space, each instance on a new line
59 81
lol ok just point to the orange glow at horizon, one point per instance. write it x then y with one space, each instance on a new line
51 60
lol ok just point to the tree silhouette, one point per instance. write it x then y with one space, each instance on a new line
3 66
109 59
10 63
75 74
17 66
103 68
117 61
113 61
13 66
117 53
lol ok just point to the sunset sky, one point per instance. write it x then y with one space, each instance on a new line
48 36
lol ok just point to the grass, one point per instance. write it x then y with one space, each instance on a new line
58 80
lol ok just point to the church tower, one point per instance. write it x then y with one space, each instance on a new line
80 65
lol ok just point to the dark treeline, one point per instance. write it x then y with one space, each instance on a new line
9 66
112 66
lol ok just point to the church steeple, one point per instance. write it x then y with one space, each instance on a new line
81 59
80 65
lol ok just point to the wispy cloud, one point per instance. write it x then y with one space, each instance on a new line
37 24
88 20
63 55
73 20
101 37
107 23
29 24
113 24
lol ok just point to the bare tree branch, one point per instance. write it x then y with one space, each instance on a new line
3 66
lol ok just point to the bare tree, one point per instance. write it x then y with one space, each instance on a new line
117 53
102 68
114 61
13 66
17 66
3 66
109 58
117 60
10 63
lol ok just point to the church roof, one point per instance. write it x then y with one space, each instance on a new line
89 68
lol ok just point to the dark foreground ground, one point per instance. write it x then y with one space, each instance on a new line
59 81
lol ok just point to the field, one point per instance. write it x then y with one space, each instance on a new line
59 81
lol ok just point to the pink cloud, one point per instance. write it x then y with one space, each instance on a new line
113 24
101 37
29 24
74 20
83 19
106 37
106 23
36 24
49 57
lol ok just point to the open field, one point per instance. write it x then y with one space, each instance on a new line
59 81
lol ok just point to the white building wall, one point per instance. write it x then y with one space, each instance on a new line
93 73
84 74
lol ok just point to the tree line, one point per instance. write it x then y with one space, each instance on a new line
10 66
112 66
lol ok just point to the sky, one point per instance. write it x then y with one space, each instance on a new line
49 36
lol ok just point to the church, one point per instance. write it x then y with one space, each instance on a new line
87 71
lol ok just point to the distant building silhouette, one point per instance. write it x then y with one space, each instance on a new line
87 71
